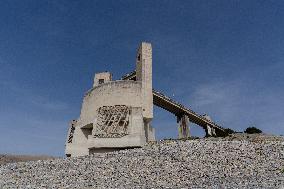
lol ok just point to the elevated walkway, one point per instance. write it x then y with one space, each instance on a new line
178 109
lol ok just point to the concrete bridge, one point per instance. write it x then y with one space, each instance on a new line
184 115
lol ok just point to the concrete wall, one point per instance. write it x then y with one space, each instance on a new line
136 95
135 138
109 94
82 143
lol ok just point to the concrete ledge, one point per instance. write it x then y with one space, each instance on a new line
117 83
123 142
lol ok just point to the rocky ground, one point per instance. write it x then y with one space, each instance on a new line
239 161
20 158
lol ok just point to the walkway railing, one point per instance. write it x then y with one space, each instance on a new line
185 109
182 108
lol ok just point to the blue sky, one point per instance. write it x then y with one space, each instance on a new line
224 58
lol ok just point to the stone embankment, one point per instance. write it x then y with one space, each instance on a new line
238 161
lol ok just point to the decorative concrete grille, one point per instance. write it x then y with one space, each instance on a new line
112 121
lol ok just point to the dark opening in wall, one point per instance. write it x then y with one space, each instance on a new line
101 81
87 131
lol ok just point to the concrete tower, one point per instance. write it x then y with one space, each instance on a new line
144 75
115 114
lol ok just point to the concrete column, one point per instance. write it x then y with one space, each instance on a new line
183 127
149 131
210 131
144 74
213 131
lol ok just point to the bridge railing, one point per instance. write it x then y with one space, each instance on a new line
185 108
133 73
128 75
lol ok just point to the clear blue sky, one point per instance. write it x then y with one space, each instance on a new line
224 58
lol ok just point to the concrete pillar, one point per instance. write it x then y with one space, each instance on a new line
151 136
144 75
183 127
213 131
149 131
210 131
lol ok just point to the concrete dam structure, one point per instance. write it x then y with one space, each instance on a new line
117 114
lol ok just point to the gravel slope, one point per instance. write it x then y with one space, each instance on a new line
4 158
202 163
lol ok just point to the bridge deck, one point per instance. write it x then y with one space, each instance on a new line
176 108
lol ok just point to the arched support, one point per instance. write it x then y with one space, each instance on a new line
183 127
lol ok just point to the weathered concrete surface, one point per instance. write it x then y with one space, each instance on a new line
101 78
254 161
98 130
135 92
144 75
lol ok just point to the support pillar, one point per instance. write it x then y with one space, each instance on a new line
210 131
213 131
183 127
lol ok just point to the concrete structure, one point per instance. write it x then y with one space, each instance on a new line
183 126
184 115
117 114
